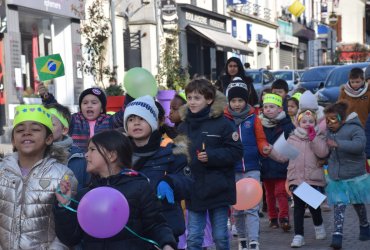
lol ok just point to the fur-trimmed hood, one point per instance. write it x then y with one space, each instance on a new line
217 107
182 146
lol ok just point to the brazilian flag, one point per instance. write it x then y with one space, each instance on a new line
49 67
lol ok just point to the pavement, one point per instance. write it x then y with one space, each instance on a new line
276 239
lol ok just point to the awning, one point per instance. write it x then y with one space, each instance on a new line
223 41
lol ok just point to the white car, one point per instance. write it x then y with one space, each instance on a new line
290 76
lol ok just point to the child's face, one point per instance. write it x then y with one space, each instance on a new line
306 122
332 121
292 108
232 68
237 104
58 129
138 128
91 107
280 92
356 83
175 104
271 110
29 138
197 102
95 161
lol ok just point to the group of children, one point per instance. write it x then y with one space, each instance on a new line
226 139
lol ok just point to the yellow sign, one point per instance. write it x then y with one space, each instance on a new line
296 8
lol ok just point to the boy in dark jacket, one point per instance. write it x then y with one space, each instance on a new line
61 117
275 122
165 166
215 148
280 87
254 143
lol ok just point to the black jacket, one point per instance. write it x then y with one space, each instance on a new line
214 181
145 217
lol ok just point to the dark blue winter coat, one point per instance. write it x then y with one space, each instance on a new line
272 169
77 163
214 181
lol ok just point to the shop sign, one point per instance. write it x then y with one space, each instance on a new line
194 18
234 2
169 14
249 32
285 28
289 39
233 28
261 41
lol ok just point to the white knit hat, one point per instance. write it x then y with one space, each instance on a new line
308 101
145 108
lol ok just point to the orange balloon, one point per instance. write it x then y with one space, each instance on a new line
248 193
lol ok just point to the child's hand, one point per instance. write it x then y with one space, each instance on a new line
203 157
43 92
311 133
167 247
267 149
65 189
331 143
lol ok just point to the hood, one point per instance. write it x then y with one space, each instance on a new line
182 146
217 107
352 118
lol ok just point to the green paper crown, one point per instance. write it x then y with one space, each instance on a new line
35 113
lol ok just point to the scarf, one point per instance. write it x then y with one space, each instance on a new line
142 154
269 123
196 119
66 143
355 93
239 117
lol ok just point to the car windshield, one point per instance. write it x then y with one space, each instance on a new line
339 76
256 76
285 75
316 74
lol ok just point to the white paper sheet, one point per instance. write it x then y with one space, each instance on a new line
309 195
284 148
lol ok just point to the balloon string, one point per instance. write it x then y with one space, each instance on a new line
145 239
156 245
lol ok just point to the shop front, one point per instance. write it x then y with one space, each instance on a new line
40 28
205 42
304 35
288 46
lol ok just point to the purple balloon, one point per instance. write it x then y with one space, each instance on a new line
103 212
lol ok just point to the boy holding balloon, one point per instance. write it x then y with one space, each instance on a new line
275 122
119 209
215 148
254 143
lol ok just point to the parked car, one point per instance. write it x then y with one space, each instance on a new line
262 78
336 78
290 76
314 78
300 72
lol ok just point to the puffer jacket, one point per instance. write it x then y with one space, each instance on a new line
348 159
306 167
26 215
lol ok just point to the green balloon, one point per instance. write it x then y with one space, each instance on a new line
139 82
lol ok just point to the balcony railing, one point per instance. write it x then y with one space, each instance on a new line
254 10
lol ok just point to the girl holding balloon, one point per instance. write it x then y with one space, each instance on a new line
99 223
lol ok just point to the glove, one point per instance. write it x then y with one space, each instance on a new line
311 133
164 190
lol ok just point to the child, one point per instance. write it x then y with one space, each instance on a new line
178 101
61 117
293 105
311 143
28 179
91 118
280 87
168 132
109 161
348 182
166 166
275 122
254 142
214 150
357 94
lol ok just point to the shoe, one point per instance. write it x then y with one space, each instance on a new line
320 232
243 244
233 231
254 245
274 223
364 233
260 214
284 224
336 241
307 213
297 241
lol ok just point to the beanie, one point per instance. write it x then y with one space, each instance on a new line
145 108
96 92
308 101
367 72
237 88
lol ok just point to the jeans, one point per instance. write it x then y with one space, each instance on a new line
275 192
197 223
248 220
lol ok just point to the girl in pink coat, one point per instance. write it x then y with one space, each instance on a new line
311 144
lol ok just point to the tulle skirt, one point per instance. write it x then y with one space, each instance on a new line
351 191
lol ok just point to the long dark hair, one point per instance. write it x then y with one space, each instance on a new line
114 141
